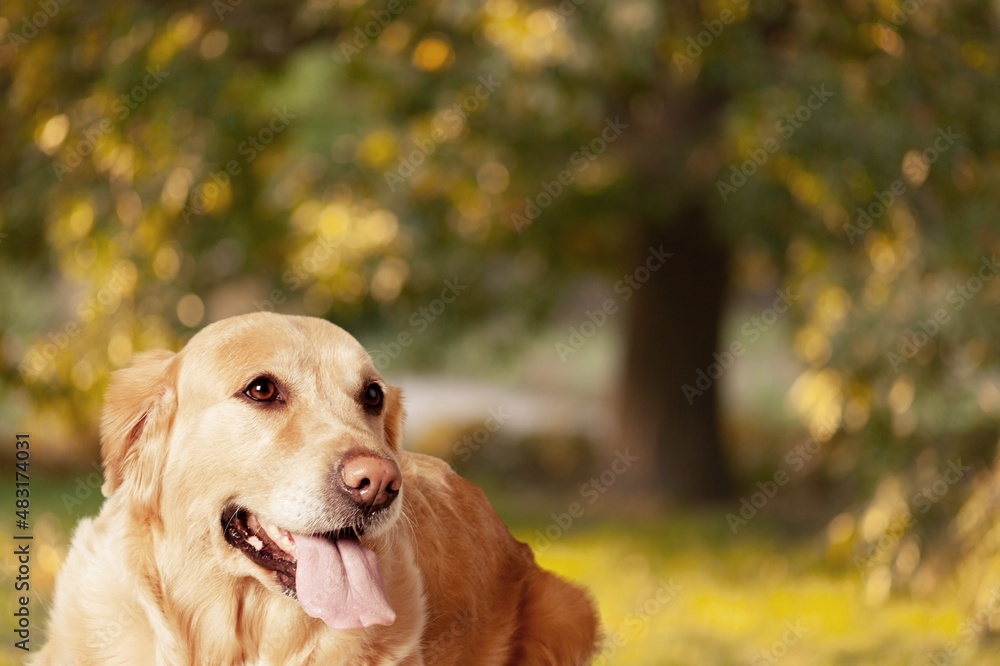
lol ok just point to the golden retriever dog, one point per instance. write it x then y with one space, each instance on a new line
260 511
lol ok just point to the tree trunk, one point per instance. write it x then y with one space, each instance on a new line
673 332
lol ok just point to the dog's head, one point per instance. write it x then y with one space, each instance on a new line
271 444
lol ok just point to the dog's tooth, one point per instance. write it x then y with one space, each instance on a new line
255 542
253 524
287 543
281 538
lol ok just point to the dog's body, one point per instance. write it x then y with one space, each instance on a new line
282 525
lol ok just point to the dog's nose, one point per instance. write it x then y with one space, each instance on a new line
371 481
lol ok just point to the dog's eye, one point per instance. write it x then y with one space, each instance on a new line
373 397
262 389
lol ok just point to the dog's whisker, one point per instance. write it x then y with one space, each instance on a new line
230 521
319 504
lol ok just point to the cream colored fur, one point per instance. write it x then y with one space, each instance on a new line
151 580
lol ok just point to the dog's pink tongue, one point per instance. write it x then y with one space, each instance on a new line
339 582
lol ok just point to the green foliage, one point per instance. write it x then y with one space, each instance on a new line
171 163
669 592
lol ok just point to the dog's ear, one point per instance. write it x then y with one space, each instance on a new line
395 414
138 413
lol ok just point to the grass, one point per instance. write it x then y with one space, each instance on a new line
671 589
767 602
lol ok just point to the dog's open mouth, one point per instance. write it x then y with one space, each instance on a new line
260 542
335 577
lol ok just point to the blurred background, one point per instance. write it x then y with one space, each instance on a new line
701 293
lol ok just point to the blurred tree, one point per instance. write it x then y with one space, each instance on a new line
172 162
